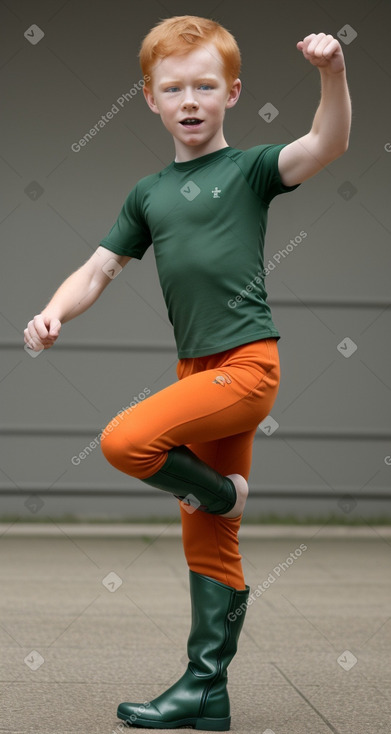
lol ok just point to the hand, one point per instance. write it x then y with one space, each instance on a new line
323 51
42 331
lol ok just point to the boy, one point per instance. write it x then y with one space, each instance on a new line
206 215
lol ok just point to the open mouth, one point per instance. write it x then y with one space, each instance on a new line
191 122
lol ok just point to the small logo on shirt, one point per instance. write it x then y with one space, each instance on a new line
223 379
216 192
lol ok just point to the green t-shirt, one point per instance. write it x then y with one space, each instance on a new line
207 221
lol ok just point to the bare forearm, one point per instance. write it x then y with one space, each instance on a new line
74 296
332 120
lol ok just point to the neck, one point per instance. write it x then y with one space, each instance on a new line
185 153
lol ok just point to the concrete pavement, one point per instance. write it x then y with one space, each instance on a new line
92 616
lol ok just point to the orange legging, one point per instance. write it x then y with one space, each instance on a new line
214 409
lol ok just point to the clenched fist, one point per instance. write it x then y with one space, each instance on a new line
42 331
323 51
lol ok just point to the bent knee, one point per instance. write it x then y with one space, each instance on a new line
111 442
122 450
116 446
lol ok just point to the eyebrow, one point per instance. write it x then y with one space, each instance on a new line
206 78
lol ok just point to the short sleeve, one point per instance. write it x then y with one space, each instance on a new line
130 234
260 167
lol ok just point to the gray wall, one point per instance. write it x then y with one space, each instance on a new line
333 439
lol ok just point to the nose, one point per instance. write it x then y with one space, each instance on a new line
189 100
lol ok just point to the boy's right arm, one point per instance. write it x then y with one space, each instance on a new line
73 297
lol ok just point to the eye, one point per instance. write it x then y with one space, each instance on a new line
209 86
169 89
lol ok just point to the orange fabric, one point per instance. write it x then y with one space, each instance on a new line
214 409
210 542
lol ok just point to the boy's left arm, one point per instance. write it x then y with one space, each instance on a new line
329 135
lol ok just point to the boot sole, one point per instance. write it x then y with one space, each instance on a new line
205 724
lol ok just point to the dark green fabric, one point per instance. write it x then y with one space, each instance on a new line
207 221
199 698
194 482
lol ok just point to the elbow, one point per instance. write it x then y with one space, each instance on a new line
339 151
345 146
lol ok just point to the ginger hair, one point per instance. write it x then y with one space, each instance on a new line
182 34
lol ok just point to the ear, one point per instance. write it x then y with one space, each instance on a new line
234 94
150 99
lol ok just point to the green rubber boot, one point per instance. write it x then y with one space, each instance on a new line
199 699
194 482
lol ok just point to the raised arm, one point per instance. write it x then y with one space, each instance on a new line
77 293
329 135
